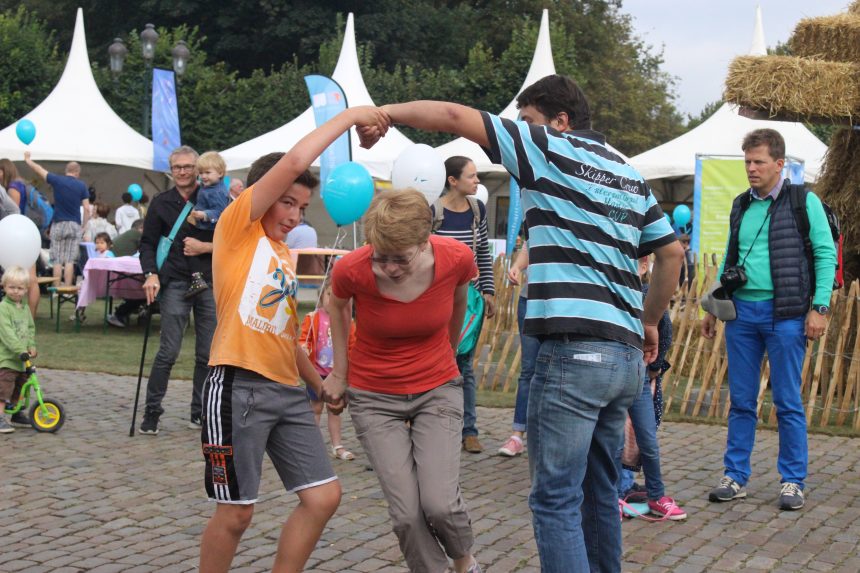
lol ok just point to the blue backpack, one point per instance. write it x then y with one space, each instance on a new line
38 209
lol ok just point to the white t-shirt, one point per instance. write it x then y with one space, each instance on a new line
125 216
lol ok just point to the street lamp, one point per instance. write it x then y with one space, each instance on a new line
148 40
180 53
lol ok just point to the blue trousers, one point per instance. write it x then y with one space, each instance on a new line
529 347
754 331
578 402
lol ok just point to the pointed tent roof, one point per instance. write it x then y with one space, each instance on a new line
347 73
542 65
722 133
75 123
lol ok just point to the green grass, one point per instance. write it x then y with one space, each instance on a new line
116 351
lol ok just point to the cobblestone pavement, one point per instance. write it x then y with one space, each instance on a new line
90 498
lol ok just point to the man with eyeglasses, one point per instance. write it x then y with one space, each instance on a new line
172 282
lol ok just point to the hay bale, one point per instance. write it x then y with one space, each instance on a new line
787 85
854 8
839 186
835 38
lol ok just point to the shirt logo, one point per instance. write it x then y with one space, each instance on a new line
268 301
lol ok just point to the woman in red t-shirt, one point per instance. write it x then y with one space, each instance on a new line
405 391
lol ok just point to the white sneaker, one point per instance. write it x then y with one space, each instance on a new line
114 320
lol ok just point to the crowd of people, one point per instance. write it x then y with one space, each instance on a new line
593 338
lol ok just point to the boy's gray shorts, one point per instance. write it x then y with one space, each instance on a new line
245 414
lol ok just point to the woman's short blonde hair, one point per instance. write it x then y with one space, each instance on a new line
16 275
397 220
212 160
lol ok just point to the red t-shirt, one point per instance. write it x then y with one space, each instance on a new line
403 347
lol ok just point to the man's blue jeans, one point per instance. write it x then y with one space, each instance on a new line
578 402
645 428
747 337
175 312
470 388
529 347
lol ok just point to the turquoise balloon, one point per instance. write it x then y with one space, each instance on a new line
681 215
347 193
135 191
26 131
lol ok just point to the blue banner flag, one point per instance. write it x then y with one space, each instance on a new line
328 100
515 218
165 118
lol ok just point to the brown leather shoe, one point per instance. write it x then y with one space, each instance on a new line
472 445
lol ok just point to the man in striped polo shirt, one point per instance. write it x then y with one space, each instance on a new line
589 217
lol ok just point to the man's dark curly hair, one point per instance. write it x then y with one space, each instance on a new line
555 94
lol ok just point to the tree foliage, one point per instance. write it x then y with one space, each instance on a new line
29 65
246 71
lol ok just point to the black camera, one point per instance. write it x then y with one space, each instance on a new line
733 278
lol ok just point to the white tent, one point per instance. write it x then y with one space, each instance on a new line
75 123
542 65
670 167
378 160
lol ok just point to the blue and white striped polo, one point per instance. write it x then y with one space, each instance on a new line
589 216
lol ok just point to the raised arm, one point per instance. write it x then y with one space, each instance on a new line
439 116
271 186
39 170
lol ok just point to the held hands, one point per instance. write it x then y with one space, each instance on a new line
371 123
334 389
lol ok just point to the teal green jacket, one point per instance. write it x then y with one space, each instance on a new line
17 333
759 283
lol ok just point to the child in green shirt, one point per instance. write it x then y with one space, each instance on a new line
17 336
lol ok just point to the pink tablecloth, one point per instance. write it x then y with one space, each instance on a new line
95 279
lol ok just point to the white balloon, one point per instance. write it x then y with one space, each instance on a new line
20 242
482 194
420 167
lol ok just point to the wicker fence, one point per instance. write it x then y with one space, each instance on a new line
697 383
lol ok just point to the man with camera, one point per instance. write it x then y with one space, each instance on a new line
774 295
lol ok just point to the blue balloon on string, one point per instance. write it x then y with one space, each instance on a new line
681 215
26 131
348 192
135 191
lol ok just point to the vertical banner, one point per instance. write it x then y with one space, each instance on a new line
165 118
515 218
718 181
328 100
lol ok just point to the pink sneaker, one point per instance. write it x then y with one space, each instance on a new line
513 447
666 507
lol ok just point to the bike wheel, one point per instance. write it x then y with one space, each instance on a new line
49 418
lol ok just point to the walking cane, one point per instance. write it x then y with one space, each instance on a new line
140 372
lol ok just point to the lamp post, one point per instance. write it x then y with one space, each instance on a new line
148 40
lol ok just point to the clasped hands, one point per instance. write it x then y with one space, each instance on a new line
334 393
371 124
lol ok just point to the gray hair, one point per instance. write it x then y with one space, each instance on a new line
182 150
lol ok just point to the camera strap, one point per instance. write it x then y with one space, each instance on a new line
766 217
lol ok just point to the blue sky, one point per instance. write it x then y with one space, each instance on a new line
700 37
